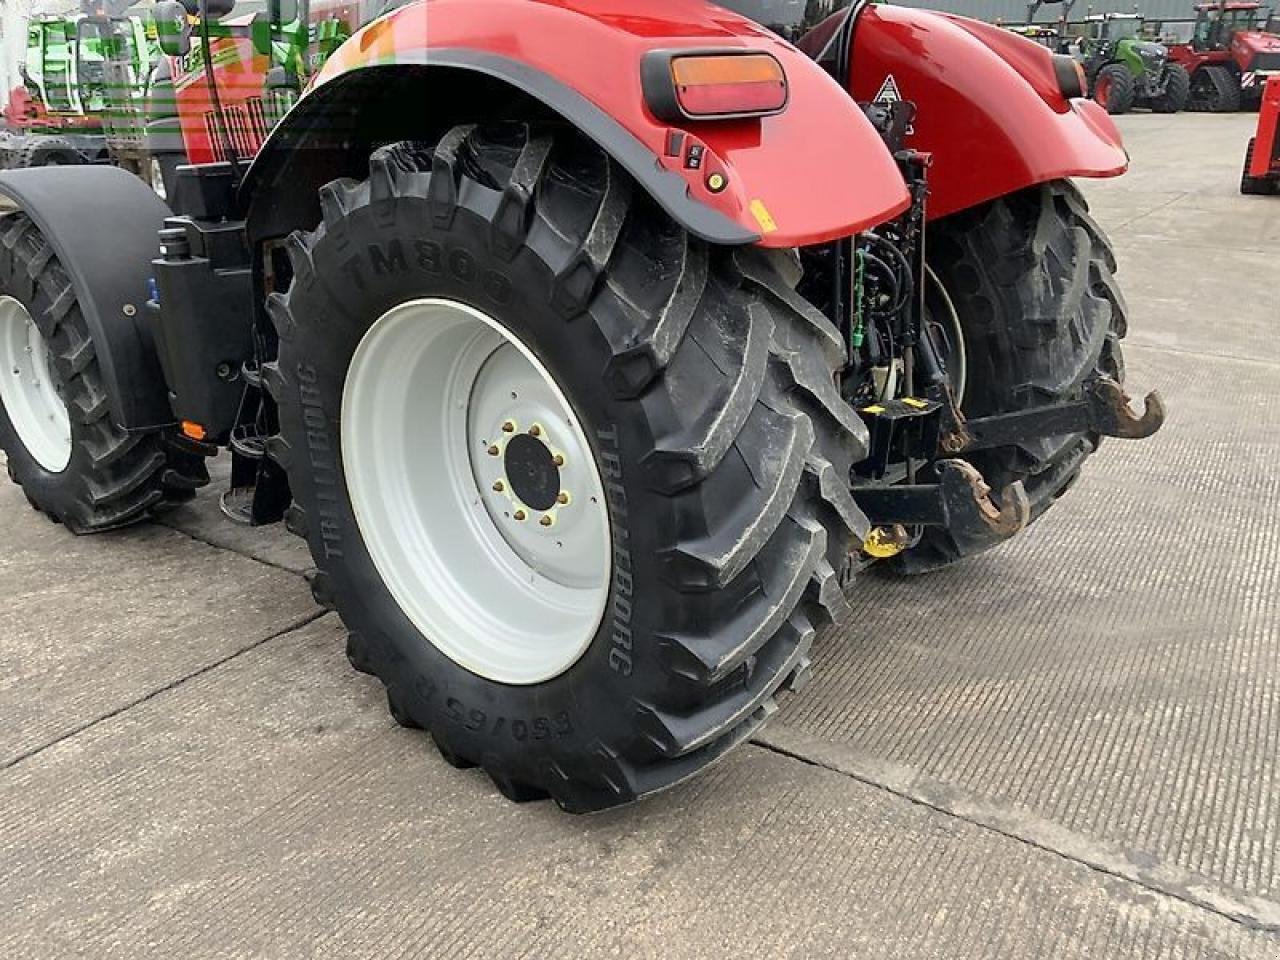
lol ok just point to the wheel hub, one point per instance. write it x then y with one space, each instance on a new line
531 468
29 390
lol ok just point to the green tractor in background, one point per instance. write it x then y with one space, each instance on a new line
1125 70
79 81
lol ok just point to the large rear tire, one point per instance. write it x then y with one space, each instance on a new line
1032 279
697 384
71 460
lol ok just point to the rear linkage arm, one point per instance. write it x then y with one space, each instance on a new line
1104 409
961 500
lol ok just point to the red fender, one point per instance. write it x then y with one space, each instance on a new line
814 172
989 106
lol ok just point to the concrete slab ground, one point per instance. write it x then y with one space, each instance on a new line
1069 748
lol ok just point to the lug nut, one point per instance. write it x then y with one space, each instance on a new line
535 431
546 520
519 514
493 450
563 498
558 459
499 486
508 426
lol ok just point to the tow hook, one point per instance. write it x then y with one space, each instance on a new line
960 501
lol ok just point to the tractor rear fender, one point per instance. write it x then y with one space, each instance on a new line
990 107
811 173
102 224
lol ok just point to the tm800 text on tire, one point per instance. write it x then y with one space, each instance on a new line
594 350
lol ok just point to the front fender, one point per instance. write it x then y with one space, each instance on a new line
814 172
989 106
103 226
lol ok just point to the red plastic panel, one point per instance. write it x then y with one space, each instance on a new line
989 107
240 73
816 171
1266 147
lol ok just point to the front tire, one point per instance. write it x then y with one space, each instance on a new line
703 387
1177 90
1033 281
72 461
1115 88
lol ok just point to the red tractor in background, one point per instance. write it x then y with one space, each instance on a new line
1262 158
1230 56
596 347
32 137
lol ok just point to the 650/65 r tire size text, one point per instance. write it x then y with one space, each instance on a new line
520 729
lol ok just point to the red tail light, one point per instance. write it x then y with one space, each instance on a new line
713 85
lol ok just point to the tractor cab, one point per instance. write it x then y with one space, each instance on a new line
49 70
1113 26
1217 24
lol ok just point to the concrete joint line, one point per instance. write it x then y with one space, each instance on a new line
151 695
1142 869
218 546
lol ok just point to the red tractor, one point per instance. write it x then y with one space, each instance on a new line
1230 55
596 347
30 136
1262 158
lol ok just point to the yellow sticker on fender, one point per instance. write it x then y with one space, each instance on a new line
763 216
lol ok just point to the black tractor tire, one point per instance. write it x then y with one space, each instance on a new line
1033 282
113 478
696 370
1256 186
1214 89
1177 90
40 151
1115 88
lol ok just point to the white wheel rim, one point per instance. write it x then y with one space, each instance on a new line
28 391
435 387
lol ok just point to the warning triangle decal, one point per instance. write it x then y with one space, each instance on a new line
888 92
